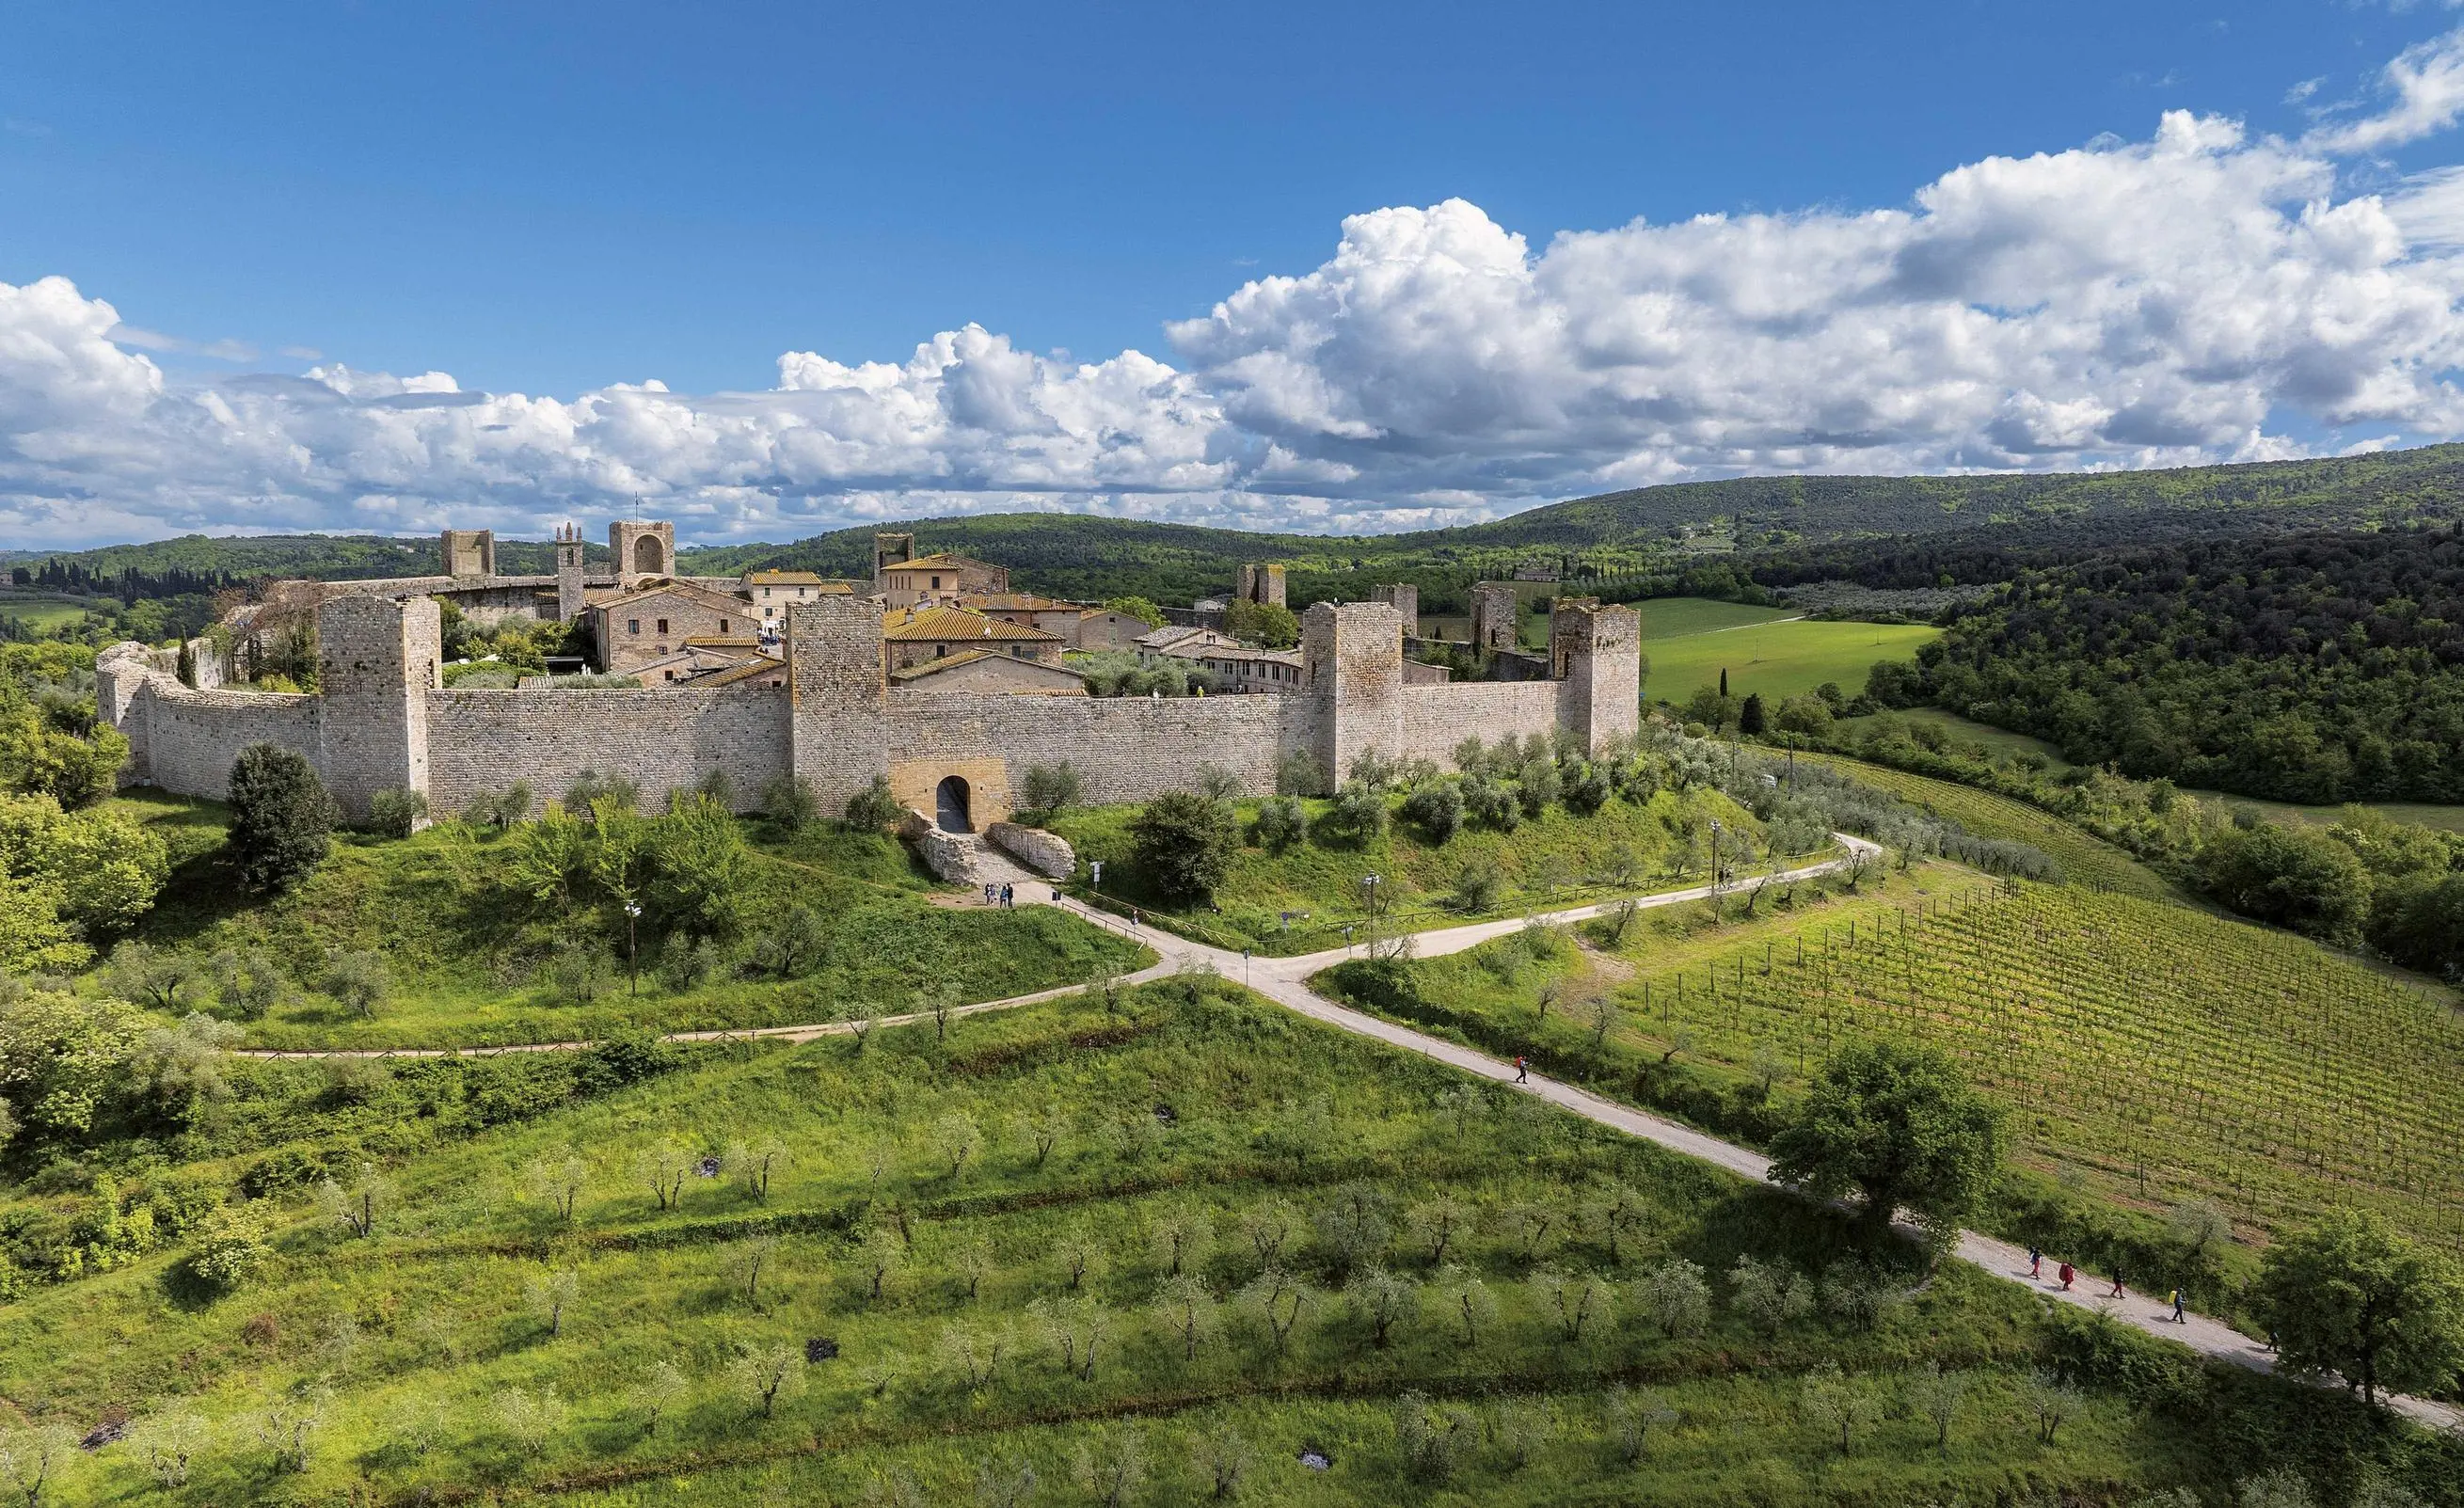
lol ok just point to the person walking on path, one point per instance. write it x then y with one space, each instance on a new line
1010 898
2036 1262
2118 1291
2066 1273
988 892
2179 1317
1522 1070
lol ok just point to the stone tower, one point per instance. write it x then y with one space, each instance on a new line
1496 612
1260 583
470 552
377 660
1405 599
837 694
642 551
888 550
1352 662
1596 654
570 599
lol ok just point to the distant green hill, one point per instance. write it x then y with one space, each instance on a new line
1626 536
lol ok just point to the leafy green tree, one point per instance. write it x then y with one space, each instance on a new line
281 818
791 802
2294 876
2350 1296
1899 1125
1750 720
1183 844
697 868
1138 608
1436 807
1281 821
64 1058
397 814
102 868
1269 623
33 937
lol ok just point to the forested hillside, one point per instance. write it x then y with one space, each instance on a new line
2322 668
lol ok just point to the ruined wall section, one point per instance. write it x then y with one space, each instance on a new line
481 741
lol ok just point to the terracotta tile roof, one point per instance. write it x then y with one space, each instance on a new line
949 624
750 669
1016 602
726 600
934 562
723 640
789 578
951 662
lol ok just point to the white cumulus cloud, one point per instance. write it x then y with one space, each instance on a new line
2197 295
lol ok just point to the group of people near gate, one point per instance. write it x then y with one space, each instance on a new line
1004 895
2066 1275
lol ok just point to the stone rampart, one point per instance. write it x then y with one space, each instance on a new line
662 740
189 738
1437 717
1125 748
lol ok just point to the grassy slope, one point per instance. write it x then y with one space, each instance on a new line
1780 659
1320 878
2086 858
425 1324
2160 1053
467 957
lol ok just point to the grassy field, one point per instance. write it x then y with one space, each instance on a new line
2155 1051
2000 742
41 614
1552 859
1778 658
474 963
2086 858
1675 617
961 1268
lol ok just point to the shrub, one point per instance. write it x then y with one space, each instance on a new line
873 808
1492 804
231 1249
1360 809
397 814
790 801
359 979
1435 809
1281 822
1296 774
1052 787
1182 844
1478 887
281 822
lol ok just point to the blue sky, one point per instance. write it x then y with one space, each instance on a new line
545 201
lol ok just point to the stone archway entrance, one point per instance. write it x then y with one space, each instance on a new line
647 559
950 806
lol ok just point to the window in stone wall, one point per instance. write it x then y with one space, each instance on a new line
632 626
722 626
663 626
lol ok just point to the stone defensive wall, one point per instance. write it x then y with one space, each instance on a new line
383 721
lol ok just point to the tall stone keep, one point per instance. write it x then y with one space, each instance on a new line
1405 599
377 660
1495 614
1596 654
837 695
888 550
1352 661
642 550
470 552
1260 583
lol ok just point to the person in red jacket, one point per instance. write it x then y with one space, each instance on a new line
2066 1274
1522 1070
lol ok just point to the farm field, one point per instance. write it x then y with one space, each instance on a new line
473 961
924 1265
1556 859
2160 1053
2086 858
1777 659
39 614
2000 742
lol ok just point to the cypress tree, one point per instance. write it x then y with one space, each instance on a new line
1724 680
281 818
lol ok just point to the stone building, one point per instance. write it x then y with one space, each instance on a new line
644 628
913 634
1405 599
468 551
835 716
939 577
990 670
